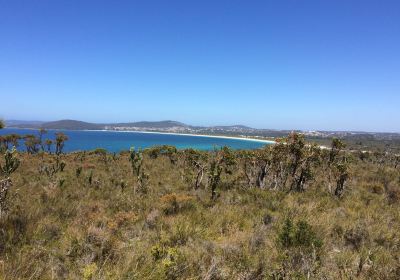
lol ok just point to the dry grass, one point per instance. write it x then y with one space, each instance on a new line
68 226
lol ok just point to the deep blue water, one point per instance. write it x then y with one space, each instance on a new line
118 141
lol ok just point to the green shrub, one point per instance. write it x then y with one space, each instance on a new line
299 235
11 163
78 171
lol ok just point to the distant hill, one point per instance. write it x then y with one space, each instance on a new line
80 125
179 127
231 127
24 124
160 124
72 125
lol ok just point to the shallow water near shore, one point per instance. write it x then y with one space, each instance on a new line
115 141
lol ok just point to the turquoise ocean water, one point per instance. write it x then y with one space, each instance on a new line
118 141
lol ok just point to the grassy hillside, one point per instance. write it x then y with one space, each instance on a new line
269 214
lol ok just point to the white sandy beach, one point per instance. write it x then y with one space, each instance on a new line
194 135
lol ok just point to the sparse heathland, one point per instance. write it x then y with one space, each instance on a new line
288 211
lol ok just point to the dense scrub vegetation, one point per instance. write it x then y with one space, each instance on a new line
288 211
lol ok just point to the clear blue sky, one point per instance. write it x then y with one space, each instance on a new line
332 65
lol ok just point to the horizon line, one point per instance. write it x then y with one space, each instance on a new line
205 126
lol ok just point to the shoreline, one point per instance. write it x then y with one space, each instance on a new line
189 134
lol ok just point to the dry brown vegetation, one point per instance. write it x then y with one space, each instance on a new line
275 213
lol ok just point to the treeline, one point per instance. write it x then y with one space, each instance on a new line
290 165
34 144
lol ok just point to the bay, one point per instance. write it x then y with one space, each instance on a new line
116 141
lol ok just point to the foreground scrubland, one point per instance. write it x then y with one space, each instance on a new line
289 211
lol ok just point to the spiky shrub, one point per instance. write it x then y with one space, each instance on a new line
142 180
53 168
11 163
62 165
136 160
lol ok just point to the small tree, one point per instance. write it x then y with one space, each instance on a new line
342 175
338 167
2 125
4 143
222 160
293 162
295 144
194 165
310 159
214 176
14 139
32 143
11 140
279 164
60 142
256 166
336 147
48 143
42 131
